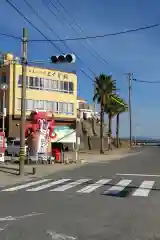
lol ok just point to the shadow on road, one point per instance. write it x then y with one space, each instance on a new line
10 170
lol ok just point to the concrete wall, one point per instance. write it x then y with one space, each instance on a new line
88 128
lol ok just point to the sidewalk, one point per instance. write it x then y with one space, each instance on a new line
9 172
95 156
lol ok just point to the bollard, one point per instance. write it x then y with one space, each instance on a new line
33 170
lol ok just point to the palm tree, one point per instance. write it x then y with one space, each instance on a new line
105 87
110 110
120 106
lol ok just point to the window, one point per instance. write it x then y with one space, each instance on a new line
50 84
55 107
31 82
70 87
61 87
70 108
50 106
60 107
20 80
46 84
36 104
37 82
29 104
66 87
65 107
46 105
54 85
41 83
41 104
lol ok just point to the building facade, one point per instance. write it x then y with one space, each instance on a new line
85 109
46 89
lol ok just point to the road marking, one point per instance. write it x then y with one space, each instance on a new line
47 185
58 236
69 185
120 186
138 175
94 186
25 185
144 189
2 229
10 218
28 215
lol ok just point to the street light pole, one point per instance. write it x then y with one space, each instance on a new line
23 103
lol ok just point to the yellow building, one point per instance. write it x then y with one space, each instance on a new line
47 89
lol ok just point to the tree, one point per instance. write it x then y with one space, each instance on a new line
110 110
105 87
119 107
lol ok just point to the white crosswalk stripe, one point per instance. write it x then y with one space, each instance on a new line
25 185
44 186
144 189
65 184
94 186
69 185
120 186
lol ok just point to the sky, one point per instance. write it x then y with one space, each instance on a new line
136 52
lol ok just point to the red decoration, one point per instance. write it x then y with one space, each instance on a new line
34 125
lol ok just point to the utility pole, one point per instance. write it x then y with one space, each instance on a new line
130 107
23 102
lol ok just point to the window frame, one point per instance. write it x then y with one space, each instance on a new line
70 91
58 107
71 112
47 84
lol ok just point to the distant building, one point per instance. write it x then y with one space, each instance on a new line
83 108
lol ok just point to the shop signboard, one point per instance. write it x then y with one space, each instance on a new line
64 134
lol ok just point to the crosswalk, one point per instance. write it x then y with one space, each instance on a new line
85 186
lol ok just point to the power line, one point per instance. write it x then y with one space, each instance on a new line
10 36
17 10
100 36
34 26
42 20
54 6
66 43
46 24
52 11
143 81
87 45
87 75
48 40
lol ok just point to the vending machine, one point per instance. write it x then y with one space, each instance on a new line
2 146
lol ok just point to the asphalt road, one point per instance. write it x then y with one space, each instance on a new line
79 209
